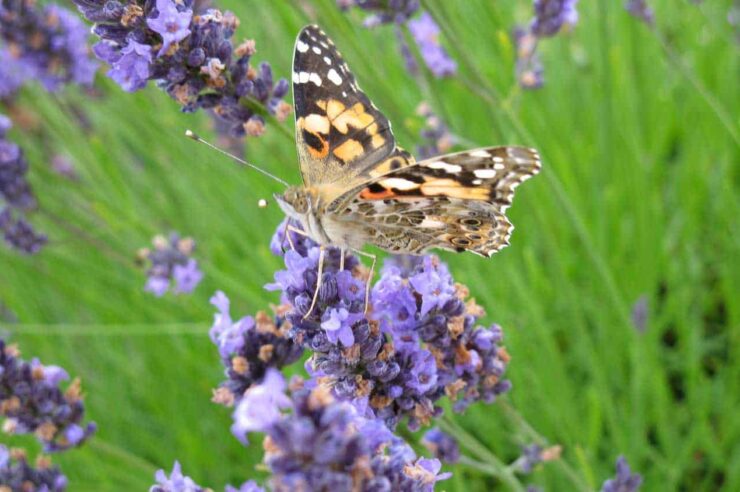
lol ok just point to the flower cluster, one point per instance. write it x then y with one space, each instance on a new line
624 481
169 261
191 56
248 347
641 10
314 442
436 137
17 474
16 197
551 16
47 44
31 401
443 446
420 343
176 482
535 454
424 30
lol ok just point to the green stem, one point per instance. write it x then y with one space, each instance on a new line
494 466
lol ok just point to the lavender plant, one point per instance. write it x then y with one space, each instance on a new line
16 473
443 446
624 480
190 56
424 31
47 44
171 265
32 402
550 18
16 197
641 10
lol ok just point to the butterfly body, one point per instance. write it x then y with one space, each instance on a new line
361 188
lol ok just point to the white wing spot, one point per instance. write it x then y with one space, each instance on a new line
399 184
327 60
450 168
301 46
303 77
314 77
431 224
479 153
316 50
498 166
324 44
484 173
477 181
344 93
498 159
295 78
334 77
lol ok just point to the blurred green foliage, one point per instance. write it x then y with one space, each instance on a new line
638 131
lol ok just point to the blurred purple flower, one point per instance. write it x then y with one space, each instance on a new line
442 445
529 70
16 474
248 486
641 10
383 11
624 481
425 32
169 263
435 134
640 313
176 482
552 15
46 44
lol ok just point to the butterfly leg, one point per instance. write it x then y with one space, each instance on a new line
374 259
320 274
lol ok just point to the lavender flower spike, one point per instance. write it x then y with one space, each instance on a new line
32 402
170 262
176 482
425 32
172 24
552 15
641 10
17 474
624 481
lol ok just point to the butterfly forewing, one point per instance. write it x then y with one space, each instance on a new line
342 138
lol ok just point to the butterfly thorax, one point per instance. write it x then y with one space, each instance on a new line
302 205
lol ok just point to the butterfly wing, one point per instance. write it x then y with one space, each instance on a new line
343 139
455 202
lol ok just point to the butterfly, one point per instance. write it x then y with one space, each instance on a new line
360 188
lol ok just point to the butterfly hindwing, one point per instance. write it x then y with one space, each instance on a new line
342 138
457 201
415 226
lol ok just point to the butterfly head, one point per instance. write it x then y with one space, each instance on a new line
295 202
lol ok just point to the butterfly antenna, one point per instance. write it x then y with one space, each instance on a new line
194 136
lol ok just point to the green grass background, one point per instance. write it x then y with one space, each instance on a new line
638 130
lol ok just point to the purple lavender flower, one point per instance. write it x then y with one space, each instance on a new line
533 455
641 10
172 24
248 348
190 56
169 261
420 345
443 446
32 402
16 197
248 486
624 481
425 32
176 482
130 69
552 15
529 70
17 474
314 442
48 45
435 134
15 73
639 314
383 11
261 406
